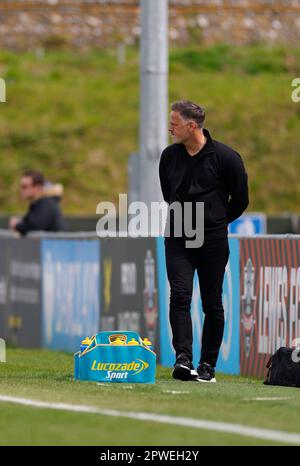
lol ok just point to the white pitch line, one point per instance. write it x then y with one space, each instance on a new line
271 398
228 428
175 392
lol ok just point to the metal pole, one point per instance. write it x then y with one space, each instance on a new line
154 95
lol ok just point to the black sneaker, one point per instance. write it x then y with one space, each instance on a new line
206 373
184 369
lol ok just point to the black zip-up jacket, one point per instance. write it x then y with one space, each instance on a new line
44 215
215 175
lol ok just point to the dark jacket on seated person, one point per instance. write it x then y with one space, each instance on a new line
44 215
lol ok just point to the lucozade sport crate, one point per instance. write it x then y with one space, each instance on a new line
115 357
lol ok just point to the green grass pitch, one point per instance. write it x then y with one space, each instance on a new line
48 376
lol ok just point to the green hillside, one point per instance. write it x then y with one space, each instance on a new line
75 115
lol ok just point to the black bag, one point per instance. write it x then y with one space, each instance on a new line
282 370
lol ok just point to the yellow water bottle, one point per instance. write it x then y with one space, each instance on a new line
118 342
148 343
133 342
84 344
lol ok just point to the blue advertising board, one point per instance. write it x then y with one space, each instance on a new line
249 224
70 292
229 356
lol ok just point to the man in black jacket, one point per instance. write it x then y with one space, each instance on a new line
197 169
44 213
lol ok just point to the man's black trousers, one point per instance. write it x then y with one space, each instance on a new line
210 262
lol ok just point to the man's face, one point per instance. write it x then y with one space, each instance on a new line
180 129
29 191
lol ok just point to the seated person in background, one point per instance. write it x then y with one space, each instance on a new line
44 212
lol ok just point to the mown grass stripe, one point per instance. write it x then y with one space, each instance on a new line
225 427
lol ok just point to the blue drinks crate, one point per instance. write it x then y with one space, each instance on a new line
115 357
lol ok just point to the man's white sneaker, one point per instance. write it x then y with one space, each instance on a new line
184 369
206 373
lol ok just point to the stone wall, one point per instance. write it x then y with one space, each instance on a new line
28 24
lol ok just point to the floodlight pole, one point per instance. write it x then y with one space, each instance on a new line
154 95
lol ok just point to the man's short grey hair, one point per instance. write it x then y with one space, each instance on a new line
189 111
